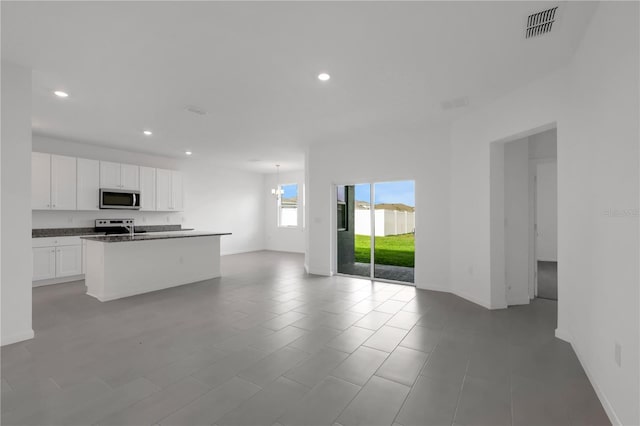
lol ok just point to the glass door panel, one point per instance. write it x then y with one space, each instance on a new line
354 229
394 230
390 255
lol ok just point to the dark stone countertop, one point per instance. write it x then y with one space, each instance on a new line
122 238
75 232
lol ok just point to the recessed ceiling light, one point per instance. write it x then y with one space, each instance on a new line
147 132
188 152
323 76
60 94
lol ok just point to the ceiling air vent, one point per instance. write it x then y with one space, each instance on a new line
541 22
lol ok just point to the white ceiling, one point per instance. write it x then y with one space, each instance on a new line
252 66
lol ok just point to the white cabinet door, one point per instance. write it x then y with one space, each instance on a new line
110 175
44 263
147 188
163 190
177 200
63 182
40 181
129 176
68 260
88 184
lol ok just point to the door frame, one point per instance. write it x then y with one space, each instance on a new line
372 219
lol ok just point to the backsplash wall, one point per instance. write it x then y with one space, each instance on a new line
81 219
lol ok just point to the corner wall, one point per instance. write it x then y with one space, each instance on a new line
15 221
594 101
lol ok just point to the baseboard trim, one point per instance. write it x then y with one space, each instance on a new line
17 337
433 287
475 300
608 408
60 280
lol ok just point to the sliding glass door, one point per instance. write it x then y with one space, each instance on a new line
376 230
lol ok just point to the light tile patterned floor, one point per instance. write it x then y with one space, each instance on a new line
267 344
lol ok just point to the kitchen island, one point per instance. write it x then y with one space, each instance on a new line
123 265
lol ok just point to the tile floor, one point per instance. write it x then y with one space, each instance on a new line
268 345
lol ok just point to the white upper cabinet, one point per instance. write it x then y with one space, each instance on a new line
163 190
53 182
116 175
129 176
147 188
88 184
59 182
169 191
40 181
176 191
109 175
63 182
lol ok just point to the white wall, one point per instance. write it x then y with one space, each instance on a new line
371 156
277 238
15 222
215 199
227 201
594 102
599 253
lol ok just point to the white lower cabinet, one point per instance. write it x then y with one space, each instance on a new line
44 263
68 261
57 258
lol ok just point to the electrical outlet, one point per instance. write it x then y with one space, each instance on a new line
618 354
144 219
168 219
70 219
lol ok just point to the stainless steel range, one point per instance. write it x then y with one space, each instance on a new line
115 226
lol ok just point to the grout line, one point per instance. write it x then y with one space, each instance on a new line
464 379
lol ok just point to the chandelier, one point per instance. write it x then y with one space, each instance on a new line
277 191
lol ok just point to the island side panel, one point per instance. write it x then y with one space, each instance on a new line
136 267
94 272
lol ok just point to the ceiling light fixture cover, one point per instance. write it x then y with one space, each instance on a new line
323 76
188 152
61 94
147 132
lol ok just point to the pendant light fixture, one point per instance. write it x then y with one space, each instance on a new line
277 191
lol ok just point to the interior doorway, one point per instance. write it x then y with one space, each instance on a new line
376 230
546 230
524 218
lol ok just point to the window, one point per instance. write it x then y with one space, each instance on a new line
288 206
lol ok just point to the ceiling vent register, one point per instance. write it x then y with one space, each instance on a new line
541 22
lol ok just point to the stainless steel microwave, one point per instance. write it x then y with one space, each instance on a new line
128 199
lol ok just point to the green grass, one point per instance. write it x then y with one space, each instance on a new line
398 250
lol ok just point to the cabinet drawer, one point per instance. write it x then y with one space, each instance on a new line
55 241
